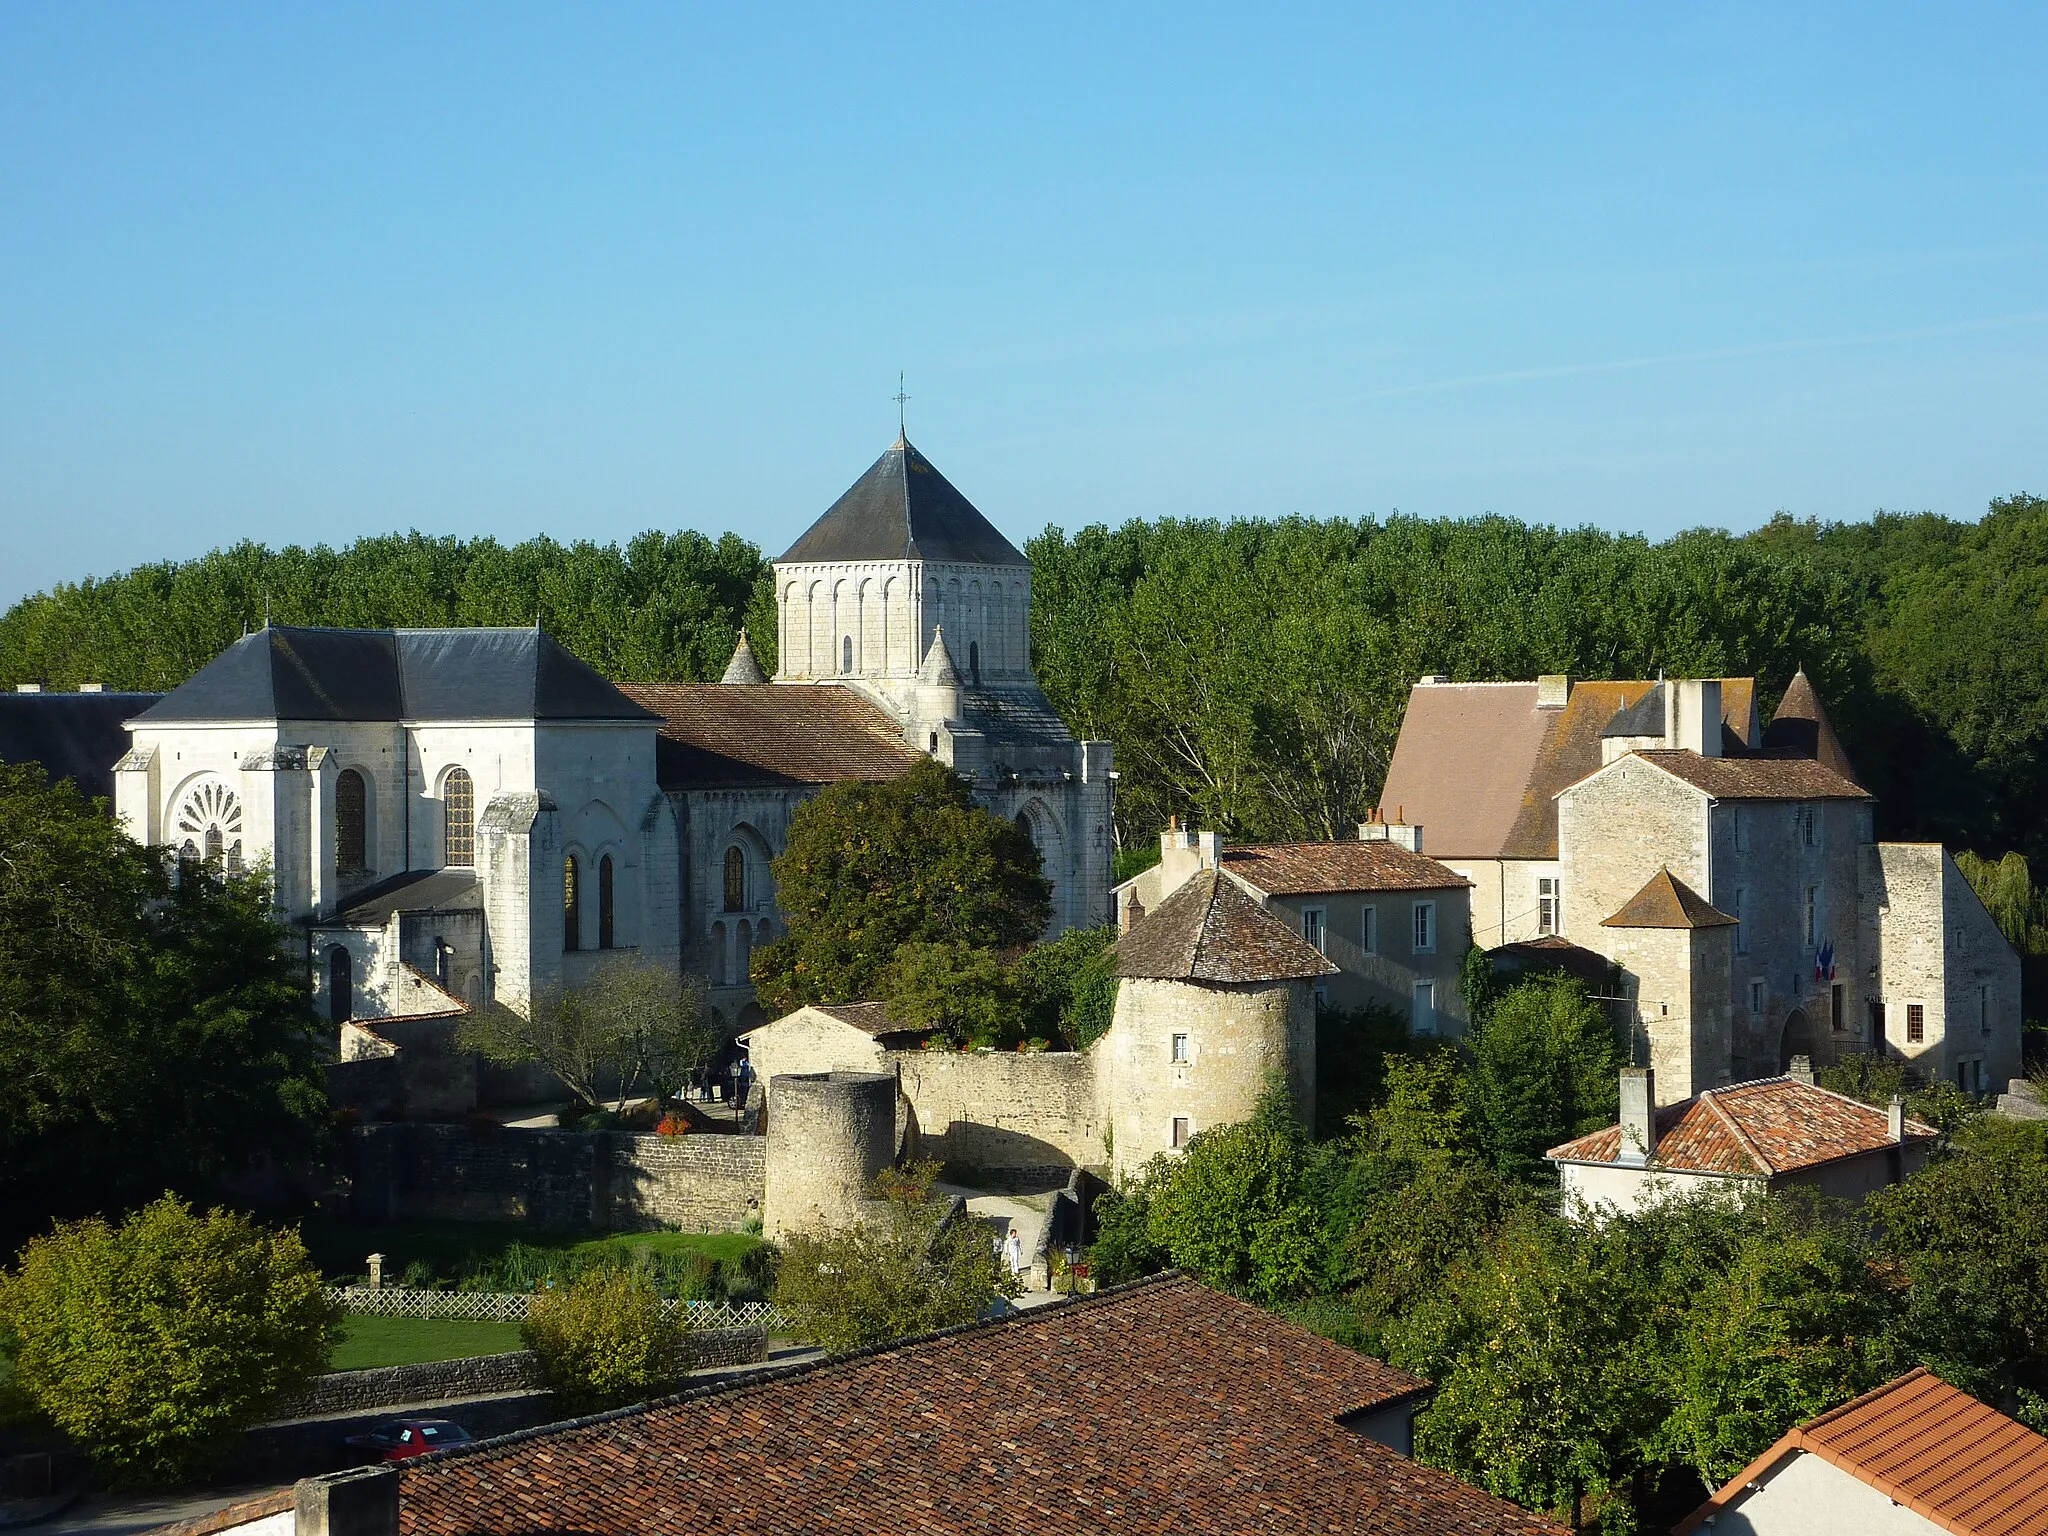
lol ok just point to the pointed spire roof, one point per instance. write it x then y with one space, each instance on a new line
1668 902
1800 728
903 509
1210 930
938 669
743 668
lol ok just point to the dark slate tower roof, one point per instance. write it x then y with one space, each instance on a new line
1800 729
395 674
904 509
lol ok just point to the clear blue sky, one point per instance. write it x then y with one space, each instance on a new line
300 272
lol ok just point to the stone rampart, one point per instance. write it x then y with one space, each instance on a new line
568 1181
1006 1112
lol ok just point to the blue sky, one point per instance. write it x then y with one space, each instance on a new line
304 272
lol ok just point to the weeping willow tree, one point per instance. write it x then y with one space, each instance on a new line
2006 887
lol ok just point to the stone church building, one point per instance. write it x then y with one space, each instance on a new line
456 817
1730 872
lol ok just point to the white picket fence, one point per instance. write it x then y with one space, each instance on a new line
505 1307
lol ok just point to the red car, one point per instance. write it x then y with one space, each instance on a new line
396 1439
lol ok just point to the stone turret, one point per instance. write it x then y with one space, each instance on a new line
743 668
829 1134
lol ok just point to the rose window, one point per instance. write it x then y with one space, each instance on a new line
208 827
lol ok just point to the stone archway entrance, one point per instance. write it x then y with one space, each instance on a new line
1796 1041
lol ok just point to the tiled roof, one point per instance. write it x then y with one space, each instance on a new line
1552 953
868 1018
1918 1441
1667 902
1754 1130
1800 728
722 735
1210 930
278 1501
1757 778
903 509
1160 1407
1479 766
1299 869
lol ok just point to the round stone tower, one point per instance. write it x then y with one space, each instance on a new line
829 1134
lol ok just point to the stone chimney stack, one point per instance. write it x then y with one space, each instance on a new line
359 1503
1179 860
1209 850
1406 834
1553 691
1638 1117
1692 716
1801 1070
1895 1117
1133 912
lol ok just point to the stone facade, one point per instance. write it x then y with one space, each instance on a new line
1022 1114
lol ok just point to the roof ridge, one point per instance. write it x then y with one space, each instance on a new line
1711 1097
902 445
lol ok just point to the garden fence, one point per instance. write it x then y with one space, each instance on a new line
504 1307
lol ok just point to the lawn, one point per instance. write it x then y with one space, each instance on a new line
449 1247
372 1341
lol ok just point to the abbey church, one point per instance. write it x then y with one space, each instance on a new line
456 817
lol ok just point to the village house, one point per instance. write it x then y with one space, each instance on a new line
1731 873
1764 1136
1161 1405
1916 1457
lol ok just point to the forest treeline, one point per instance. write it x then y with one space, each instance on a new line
1253 674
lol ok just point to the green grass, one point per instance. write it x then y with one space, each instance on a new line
373 1341
340 1247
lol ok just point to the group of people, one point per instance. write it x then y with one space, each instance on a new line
731 1085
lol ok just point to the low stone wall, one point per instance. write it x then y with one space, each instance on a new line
484 1376
1008 1112
601 1181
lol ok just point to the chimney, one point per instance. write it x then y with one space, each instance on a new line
1895 1118
1208 850
1407 835
1374 828
1638 1117
1430 679
1178 860
1553 691
1692 715
363 1502
1134 910
1801 1070
28 687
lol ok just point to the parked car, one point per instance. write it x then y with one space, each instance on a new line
396 1439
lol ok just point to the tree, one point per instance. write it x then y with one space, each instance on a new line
605 1339
956 989
910 1268
871 867
1546 1068
630 1024
1068 987
151 1033
153 1343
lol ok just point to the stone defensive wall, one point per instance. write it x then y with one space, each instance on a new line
1019 1114
564 1181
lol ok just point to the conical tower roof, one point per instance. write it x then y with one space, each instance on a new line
903 509
1800 729
743 668
1668 902
1210 930
938 669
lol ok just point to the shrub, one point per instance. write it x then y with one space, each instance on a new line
674 1123
604 1339
153 1343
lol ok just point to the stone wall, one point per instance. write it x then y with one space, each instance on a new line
553 1180
1007 1112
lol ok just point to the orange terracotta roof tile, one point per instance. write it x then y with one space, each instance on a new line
1757 778
1162 1407
725 735
1301 869
1759 1129
1918 1441
1667 902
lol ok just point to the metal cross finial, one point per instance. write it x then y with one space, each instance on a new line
901 400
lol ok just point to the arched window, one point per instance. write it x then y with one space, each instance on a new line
351 821
340 986
846 653
604 902
459 820
214 849
974 662
735 879
572 906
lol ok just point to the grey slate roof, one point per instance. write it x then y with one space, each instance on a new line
75 736
395 674
904 509
1645 717
417 890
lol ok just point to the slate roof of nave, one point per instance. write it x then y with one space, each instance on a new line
1157 1406
288 673
903 509
1771 1126
724 735
75 736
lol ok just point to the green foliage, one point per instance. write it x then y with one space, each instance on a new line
1478 986
871 867
1546 1068
961 991
1123 1248
1878 1079
604 1340
1425 1111
2006 887
149 1035
1355 1051
665 608
153 1343
630 1024
908 1270
1068 986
